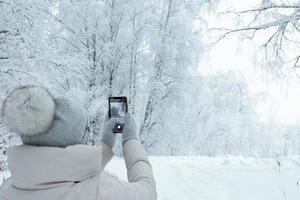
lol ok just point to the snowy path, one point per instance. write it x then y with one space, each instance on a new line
220 178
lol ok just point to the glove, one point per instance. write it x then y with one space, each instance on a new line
129 132
108 136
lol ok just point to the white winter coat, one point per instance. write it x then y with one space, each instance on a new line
76 173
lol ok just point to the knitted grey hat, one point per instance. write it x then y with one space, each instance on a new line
42 120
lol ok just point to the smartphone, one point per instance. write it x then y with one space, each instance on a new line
118 109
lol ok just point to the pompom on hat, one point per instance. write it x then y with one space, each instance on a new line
42 120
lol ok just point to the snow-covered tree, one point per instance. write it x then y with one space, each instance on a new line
148 51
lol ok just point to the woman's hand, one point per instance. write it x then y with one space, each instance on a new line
130 130
108 136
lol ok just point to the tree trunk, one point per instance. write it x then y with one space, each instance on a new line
133 61
146 124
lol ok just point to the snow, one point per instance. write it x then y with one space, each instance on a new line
3 176
220 178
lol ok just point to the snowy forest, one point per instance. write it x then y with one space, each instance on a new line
153 52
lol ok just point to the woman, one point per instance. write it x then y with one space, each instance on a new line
54 161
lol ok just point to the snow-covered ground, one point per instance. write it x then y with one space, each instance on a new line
221 178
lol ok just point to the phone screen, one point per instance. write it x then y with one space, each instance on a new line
117 107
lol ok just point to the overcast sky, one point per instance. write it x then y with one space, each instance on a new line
282 105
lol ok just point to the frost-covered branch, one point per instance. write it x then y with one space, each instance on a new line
272 6
280 22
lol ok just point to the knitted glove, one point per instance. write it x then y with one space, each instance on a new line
129 131
108 136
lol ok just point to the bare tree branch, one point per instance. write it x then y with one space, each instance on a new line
269 7
4 31
282 27
259 27
296 66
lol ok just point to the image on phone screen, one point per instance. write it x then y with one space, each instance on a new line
118 107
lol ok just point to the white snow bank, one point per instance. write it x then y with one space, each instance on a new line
220 178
